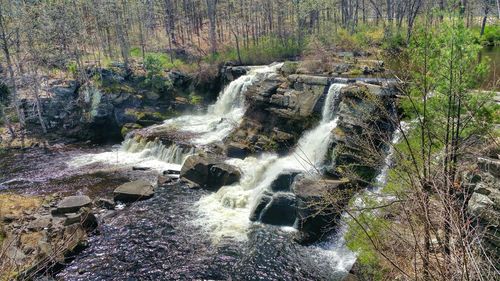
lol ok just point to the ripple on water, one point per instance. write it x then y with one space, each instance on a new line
155 239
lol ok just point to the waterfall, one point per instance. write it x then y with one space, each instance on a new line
339 251
219 120
145 154
171 154
226 213
227 112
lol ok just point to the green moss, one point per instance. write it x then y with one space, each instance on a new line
129 127
195 99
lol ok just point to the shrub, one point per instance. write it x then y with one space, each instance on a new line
491 36
269 49
72 68
195 99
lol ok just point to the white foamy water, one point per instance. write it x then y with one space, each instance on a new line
119 158
223 116
226 213
338 250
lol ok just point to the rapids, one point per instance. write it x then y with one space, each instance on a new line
184 234
226 213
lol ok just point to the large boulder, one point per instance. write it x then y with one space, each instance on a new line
484 206
263 201
231 73
134 191
284 181
281 210
209 172
72 204
319 203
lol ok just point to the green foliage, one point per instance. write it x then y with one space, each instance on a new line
72 68
135 52
154 65
160 60
195 99
449 52
268 49
444 69
394 41
491 36
367 224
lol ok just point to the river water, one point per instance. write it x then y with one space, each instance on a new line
185 234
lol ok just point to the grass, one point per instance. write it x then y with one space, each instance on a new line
14 204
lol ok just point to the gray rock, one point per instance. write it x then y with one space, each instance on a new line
72 204
105 203
263 201
133 191
237 150
313 216
209 172
282 210
41 222
489 165
233 72
163 179
284 181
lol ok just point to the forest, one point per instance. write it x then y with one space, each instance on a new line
249 140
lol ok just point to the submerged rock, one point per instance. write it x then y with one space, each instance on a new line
72 204
134 191
209 172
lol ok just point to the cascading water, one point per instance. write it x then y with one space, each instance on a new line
174 153
223 116
345 258
152 154
226 213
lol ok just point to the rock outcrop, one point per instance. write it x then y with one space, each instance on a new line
280 109
134 191
364 129
114 101
72 204
209 172
484 204
320 202
38 237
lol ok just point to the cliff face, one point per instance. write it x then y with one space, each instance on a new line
364 129
111 103
279 110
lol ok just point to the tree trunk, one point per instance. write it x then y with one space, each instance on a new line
10 68
485 19
212 11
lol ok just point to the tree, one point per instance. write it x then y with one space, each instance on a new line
5 42
430 235
212 12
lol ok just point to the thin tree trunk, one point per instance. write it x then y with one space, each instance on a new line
211 10
10 68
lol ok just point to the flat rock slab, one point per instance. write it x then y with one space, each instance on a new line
72 204
134 191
